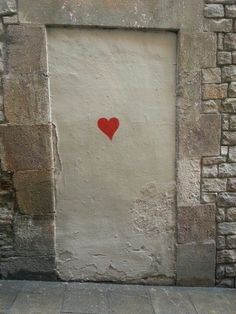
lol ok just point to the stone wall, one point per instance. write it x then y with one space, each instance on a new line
218 183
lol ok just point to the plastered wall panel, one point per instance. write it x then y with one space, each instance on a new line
115 199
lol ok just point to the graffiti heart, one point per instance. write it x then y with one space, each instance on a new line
108 126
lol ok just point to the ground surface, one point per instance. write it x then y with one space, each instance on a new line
25 297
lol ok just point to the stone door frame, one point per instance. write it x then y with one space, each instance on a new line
28 138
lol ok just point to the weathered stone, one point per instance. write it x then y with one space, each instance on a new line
210 171
232 153
230 270
226 256
34 236
230 11
220 242
220 271
231 185
229 73
7 20
196 223
199 136
234 57
229 138
231 214
220 216
26 147
214 185
207 198
226 283
212 75
224 150
34 192
221 1
227 170
231 241
224 57
207 161
218 25
196 264
226 200
230 41
232 122
189 172
214 91
211 106
214 10
22 38
229 105
227 228
26 99
7 7
232 89
220 41
225 122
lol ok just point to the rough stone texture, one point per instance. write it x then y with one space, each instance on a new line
211 106
26 147
229 138
227 228
230 11
208 161
232 154
230 41
7 7
34 192
227 170
231 213
231 243
229 73
224 57
226 256
196 223
212 75
214 91
231 186
214 10
214 185
210 171
232 122
196 264
232 89
229 105
226 199
225 122
218 25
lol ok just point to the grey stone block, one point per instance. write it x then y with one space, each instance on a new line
196 264
224 57
230 11
212 75
227 228
7 7
230 41
226 199
231 213
214 10
218 25
229 105
226 256
229 73
229 138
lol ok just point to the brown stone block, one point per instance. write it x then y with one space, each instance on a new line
26 147
34 192
26 49
196 264
34 236
199 136
26 99
196 223
214 91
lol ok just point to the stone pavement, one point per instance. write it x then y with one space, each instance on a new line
25 297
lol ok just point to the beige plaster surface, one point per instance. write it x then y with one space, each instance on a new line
115 200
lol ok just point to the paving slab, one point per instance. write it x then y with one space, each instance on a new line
8 293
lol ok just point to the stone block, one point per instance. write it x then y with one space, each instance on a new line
212 75
196 264
231 241
224 57
207 198
229 138
230 11
220 242
225 283
199 136
229 105
231 213
34 192
226 256
230 41
26 147
232 122
31 268
26 99
220 271
10 19
218 25
221 1
227 228
232 153
220 41
207 161
214 10
227 170
7 7
214 91
26 49
211 106
188 181
230 270
220 215
214 185
210 171
229 73
225 122
231 185
232 89
34 236
226 199
196 223
234 53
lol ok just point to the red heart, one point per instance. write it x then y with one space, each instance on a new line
109 127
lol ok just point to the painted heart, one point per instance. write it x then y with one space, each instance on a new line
108 126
